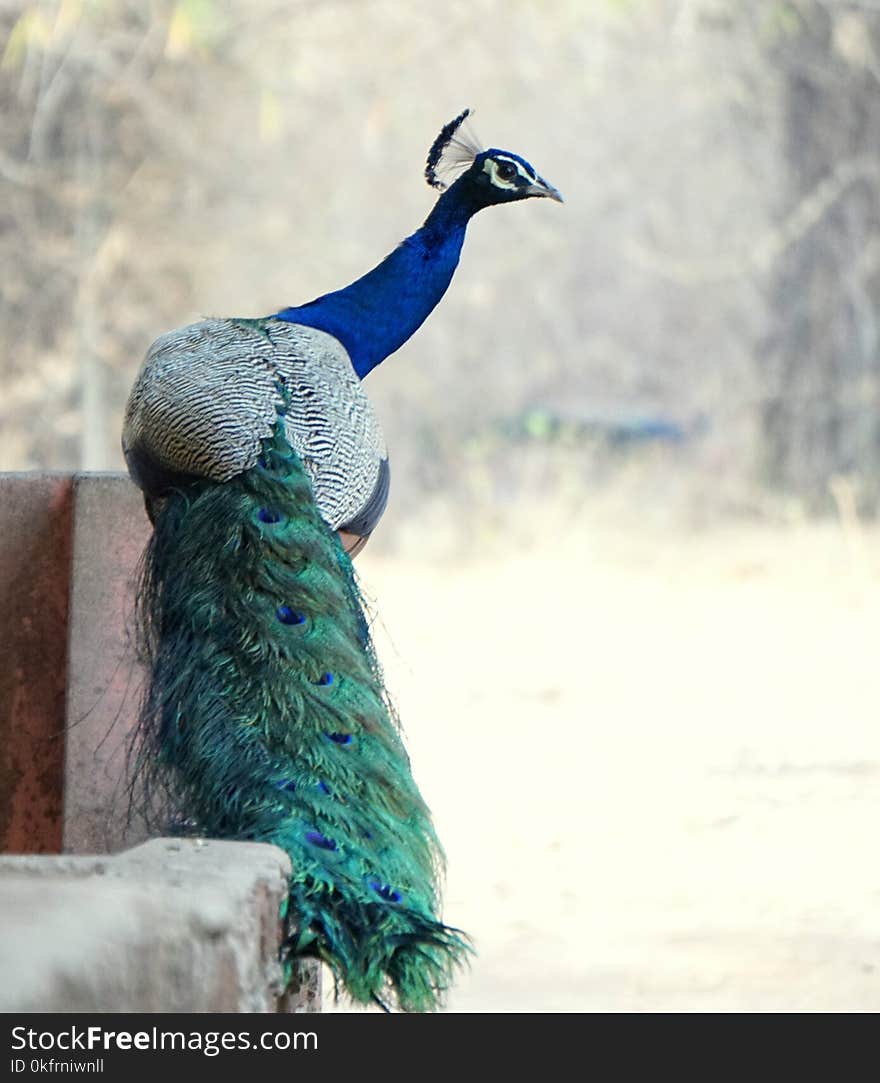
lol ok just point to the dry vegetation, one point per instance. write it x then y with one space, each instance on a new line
714 271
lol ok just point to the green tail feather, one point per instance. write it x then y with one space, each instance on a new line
266 718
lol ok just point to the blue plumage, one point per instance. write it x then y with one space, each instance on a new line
377 313
374 316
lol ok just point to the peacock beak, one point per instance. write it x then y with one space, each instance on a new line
542 188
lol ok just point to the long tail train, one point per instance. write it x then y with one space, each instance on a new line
265 718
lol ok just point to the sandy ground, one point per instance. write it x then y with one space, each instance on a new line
653 760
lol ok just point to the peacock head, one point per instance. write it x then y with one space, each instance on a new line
485 177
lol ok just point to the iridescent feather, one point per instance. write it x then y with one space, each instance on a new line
266 719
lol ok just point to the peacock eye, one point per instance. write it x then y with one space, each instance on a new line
506 171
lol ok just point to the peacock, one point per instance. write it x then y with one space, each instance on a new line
265 716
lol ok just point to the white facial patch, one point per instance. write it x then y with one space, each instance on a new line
490 166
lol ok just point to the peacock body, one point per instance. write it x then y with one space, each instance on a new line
207 397
265 715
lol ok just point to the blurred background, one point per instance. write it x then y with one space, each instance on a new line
628 582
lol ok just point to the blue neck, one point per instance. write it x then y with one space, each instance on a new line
375 315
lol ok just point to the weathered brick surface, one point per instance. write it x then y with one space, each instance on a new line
69 549
35 557
110 530
174 925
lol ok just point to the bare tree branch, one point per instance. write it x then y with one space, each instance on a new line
770 245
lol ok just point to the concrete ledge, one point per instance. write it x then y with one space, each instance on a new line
174 925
